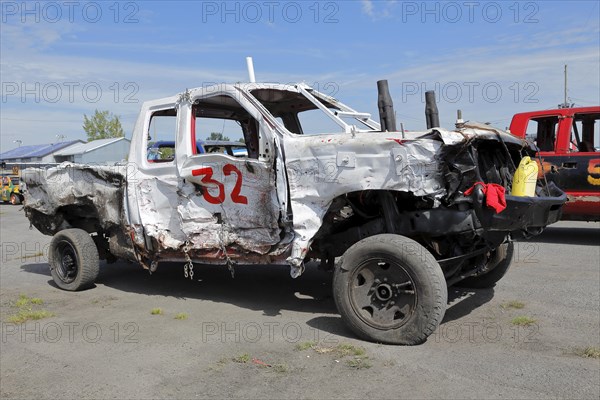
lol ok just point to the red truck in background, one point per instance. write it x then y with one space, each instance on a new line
569 147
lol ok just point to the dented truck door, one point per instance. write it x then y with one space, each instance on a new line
227 202
152 182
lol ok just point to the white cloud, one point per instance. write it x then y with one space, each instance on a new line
367 7
383 10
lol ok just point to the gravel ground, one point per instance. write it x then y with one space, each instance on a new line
265 335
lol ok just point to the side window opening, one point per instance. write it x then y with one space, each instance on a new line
162 133
316 122
290 122
285 106
585 133
543 131
221 125
351 120
299 115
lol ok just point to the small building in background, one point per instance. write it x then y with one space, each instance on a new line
101 151
36 153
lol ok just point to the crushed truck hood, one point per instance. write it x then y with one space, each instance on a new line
321 168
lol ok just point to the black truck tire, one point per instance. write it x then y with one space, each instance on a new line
14 199
500 261
74 260
390 289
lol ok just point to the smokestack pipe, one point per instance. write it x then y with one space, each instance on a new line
431 111
386 107
250 66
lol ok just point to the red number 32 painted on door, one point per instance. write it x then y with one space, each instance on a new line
207 178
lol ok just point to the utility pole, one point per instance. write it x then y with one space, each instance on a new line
565 104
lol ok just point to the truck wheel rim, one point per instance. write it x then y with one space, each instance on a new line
382 293
68 262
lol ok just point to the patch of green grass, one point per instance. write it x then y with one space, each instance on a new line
305 345
513 304
522 321
341 350
25 301
36 300
242 358
181 316
323 349
26 312
359 363
280 368
22 302
346 349
589 352
26 315
156 311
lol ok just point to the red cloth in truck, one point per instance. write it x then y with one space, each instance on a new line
495 196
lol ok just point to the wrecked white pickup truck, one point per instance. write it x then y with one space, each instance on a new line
386 210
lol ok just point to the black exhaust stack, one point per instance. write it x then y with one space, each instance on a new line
386 107
431 111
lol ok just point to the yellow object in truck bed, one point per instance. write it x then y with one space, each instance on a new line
525 178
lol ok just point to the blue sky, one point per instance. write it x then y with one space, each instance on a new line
60 60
